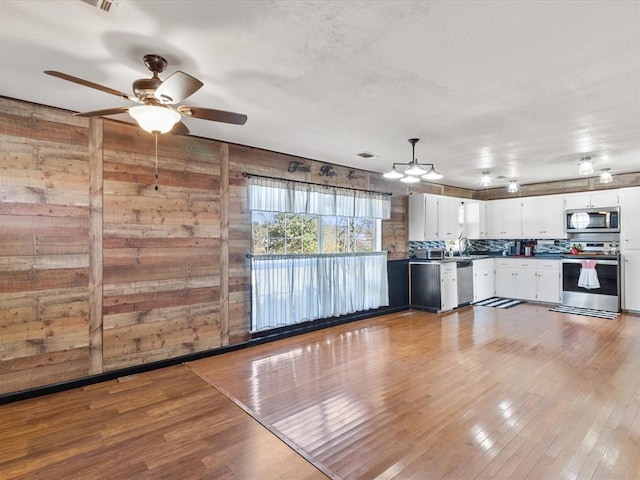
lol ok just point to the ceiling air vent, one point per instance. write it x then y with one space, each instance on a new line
108 6
366 155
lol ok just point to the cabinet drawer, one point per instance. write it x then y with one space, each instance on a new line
548 264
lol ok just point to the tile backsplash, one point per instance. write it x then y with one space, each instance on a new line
496 247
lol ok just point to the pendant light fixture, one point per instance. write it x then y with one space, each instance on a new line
605 176
585 167
414 170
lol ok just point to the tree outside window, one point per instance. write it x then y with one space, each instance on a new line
286 233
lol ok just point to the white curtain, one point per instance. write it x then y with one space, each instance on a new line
275 195
289 289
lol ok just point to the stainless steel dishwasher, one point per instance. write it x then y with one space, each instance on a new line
465 282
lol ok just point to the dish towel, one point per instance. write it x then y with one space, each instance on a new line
588 275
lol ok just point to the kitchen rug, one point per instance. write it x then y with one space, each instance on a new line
587 312
498 302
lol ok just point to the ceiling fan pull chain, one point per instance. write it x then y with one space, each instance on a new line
156 133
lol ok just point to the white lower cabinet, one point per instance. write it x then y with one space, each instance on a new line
631 281
549 282
483 279
528 279
448 286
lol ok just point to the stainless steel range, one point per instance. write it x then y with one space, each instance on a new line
591 278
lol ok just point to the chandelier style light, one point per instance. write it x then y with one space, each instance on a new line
415 170
154 118
585 167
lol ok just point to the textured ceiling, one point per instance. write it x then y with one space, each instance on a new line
522 89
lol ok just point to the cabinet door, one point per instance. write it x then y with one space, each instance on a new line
525 283
449 286
505 285
494 220
474 225
577 200
607 198
417 217
631 272
630 218
483 279
448 218
532 214
512 218
548 286
552 211
431 217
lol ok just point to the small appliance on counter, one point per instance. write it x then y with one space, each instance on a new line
429 253
435 253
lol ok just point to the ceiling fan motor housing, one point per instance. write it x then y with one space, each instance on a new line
145 88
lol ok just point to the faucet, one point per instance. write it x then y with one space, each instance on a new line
462 246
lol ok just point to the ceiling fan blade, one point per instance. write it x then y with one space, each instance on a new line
102 113
179 129
214 115
177 87
89 84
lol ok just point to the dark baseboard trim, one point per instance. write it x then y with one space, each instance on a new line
267 337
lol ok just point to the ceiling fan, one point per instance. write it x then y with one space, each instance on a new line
157 110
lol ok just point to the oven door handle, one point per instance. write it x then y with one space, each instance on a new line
600 262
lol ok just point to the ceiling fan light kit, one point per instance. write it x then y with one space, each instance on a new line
154 118
415 170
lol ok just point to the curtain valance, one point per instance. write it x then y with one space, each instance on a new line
279 195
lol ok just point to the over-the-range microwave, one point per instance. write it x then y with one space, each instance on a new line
592 220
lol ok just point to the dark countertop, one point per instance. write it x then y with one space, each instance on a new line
542 256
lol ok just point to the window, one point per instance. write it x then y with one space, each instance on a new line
315 251
291 233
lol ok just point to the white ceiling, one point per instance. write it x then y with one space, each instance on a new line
522 89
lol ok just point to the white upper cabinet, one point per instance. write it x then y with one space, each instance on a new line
605 198
543 217
630 218
433 217
474 224
423 217
504 218
448 218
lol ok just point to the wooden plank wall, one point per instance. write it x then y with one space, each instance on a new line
44 246
99 271
161 255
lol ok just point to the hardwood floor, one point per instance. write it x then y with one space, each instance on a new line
478 393
165 424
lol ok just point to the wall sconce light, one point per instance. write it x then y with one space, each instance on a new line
415 170
585 167
513 186
485 179
605 176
